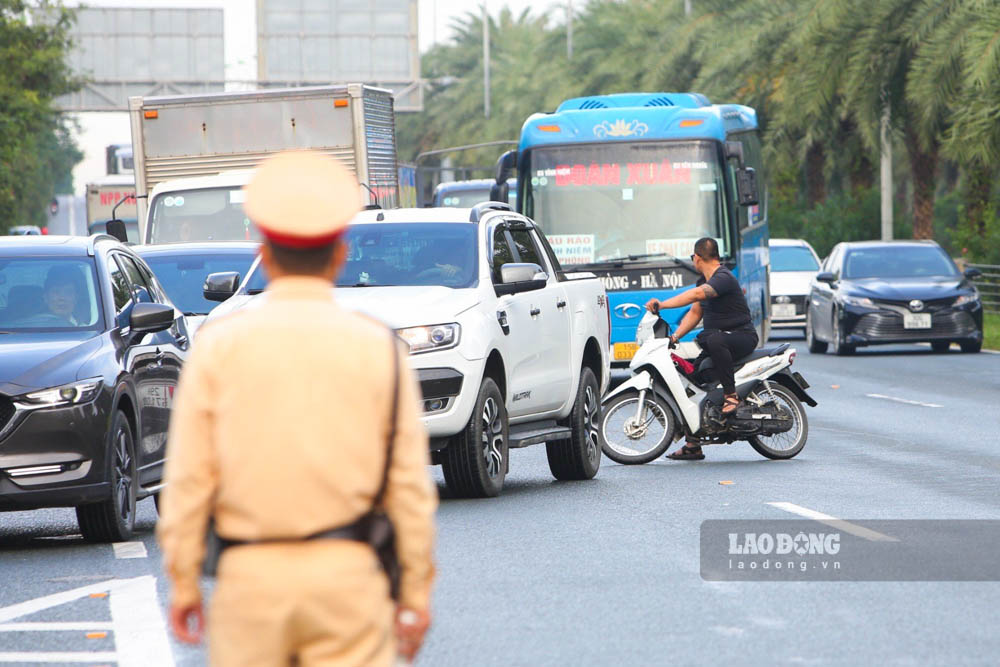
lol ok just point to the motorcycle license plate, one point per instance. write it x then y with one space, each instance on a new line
783 310
625 351
917 321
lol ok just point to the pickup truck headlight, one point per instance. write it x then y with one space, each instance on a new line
74 393
966 299
430 338
859 301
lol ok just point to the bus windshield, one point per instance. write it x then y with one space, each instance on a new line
214 214
602 202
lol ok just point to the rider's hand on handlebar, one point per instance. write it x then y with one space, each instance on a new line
653 306
673 342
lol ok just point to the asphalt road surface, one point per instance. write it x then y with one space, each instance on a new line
608 571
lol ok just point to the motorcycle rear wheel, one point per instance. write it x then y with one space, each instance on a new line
651 435
788 444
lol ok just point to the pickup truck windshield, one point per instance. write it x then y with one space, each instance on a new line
599 202
214 214
410 254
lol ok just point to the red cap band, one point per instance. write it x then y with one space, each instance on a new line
295 241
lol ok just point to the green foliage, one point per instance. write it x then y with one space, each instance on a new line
36 149
976 247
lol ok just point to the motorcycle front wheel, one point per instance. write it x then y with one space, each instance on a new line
788 444
630 437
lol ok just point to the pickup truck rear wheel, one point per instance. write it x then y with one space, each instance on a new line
475 461
580 456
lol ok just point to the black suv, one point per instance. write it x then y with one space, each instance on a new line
90 353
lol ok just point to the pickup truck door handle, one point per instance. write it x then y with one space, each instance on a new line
561 303
536 311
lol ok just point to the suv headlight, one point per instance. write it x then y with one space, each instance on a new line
859 301
74 393
430 338
966 299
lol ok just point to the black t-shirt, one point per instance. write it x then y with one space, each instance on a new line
728 311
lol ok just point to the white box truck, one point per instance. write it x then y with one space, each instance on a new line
193 153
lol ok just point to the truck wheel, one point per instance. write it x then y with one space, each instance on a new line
580 456
112 520
475 461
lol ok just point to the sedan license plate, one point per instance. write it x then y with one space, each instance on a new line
625 351
916 320
783 310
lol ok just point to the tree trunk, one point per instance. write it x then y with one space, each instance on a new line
815 174
923 167
978 185
860 169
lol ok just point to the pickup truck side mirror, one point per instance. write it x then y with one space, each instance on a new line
517 278
826 277
220 286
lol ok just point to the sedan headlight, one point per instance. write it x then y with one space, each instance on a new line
967 299
859 301
430 338
74 393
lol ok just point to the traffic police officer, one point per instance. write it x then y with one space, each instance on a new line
279 431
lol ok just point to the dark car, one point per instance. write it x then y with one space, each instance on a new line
90 352
182 268
872 293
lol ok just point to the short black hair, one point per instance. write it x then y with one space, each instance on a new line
707 248
305 261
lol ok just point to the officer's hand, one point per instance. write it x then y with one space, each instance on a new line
653 306
188 623
411 626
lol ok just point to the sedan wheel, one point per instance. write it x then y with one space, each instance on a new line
815 346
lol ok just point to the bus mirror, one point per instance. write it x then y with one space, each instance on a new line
734 149
116 228
505 165
500 192
746 186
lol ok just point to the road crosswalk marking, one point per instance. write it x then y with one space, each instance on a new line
904 400
56 626
129 549
834 522
58 657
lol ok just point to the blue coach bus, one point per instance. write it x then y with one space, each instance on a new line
623 186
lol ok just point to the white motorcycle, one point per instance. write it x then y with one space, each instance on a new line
667 399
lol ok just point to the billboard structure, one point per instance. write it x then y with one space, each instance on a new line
144 51
312 42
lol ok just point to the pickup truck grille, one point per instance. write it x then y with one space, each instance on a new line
956 323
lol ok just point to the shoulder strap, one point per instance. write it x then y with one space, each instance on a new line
393 419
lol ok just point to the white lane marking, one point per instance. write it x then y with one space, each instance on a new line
129 549
834 522
64 657
904 400
48 601
139 627
54 626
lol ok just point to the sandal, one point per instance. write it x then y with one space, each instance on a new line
732 402
686 453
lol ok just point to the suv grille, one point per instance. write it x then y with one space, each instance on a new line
6 411
799 300
890 325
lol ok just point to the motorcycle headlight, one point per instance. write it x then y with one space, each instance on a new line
966 299
859 301
74 393
430 338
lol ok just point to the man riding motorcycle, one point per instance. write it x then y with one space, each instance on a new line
728 332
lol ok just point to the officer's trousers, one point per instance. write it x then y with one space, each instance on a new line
308 603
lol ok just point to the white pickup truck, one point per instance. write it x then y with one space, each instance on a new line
508 348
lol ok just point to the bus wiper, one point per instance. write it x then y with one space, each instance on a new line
620 261
369 285
254 292
192 314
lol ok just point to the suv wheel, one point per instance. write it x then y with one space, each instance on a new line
112 520
580 456
475 461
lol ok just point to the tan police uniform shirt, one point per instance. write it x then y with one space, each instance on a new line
279 430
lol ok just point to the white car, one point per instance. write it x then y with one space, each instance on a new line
508 348
794 264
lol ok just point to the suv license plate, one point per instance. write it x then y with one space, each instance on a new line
917 321
625 351
783 310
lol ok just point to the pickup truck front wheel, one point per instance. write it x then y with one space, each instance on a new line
580 456
475 461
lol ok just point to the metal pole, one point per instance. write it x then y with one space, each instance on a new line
569 29
687 7
885 175
486 62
